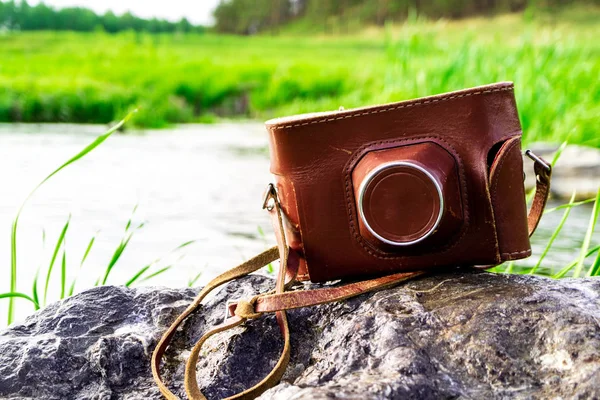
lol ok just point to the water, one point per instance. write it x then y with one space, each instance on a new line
201 183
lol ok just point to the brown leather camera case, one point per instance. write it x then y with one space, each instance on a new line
316 159
376 191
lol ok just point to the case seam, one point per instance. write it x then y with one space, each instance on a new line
516 253
406 105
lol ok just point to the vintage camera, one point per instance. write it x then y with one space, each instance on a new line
420 184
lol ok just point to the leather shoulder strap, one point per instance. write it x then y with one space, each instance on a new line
280 300
244 269
543 173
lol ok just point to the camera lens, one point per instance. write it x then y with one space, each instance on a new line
419 204
405 195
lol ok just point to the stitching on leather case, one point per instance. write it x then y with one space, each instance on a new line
404 105
516 253
349 197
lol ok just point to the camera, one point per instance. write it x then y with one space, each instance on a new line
415 185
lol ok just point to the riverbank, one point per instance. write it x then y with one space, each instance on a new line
97 77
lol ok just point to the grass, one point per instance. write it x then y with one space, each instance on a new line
144 274
76 77
95 77
576 267
152 270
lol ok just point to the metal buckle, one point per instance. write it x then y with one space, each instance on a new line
227 314
270 193
538 160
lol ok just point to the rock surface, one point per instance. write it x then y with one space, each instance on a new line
460 335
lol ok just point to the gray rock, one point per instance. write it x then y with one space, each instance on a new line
457 335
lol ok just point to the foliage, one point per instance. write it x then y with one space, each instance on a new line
252 16
95 77
144 274
153 270
21 16
577 266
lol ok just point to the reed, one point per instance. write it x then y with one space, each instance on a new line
576 268
59 254
95 77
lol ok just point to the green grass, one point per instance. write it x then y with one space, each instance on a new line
146 273
576 267
95 77
153 269
75 77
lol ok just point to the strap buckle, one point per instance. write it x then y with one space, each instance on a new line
244 308
538 160
270 194
228 313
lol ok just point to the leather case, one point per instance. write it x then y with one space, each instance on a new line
313 156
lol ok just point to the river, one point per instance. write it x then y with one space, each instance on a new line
196 182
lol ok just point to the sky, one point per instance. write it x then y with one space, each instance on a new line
197 11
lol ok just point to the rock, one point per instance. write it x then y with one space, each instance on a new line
577 169
455 335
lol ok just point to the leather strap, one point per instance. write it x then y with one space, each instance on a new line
245 312
277 302
543 173
244 269
307 298
280 300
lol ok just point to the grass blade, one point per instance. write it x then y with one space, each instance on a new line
160 271
192 281
12 295
575 204
588 237
13 233
559 151
116 255
59 243
554 235
141 272
122 245
563 272
34 290
261 233
88 249
34 286
181 246
595 268
63 273
131 218
72 287
97 142
85 254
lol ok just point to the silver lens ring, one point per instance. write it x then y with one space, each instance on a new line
375 172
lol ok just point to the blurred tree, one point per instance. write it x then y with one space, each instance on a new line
21 16
110 22
184 26
251 16
247 17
